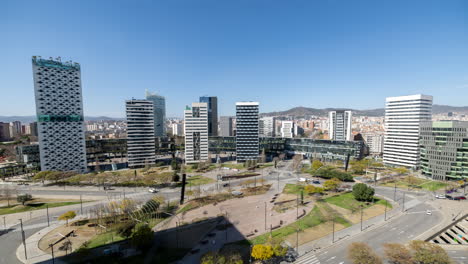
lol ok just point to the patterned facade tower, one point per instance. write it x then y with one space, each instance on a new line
59 109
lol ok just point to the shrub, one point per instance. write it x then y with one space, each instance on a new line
142 236
362 192
23 198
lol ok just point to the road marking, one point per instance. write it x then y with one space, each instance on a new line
401 232
332 258
307 259
393 228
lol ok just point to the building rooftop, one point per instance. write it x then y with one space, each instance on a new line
55 63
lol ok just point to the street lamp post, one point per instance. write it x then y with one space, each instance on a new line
53 257
361 217
385 210
265 215
403 208
24 239
333 236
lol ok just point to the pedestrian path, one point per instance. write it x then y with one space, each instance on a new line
307 259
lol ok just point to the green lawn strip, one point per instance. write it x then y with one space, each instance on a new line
433 185
104 239
233 166
293 188
198 180
313 218
186 208
348 201
31 207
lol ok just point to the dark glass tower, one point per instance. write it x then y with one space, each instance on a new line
212 102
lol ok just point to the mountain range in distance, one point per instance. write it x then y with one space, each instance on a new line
293 112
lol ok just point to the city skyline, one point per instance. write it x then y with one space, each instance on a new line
331 54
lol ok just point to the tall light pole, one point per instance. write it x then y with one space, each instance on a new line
333 236
386 202
361 216
403 208
265 215
24 239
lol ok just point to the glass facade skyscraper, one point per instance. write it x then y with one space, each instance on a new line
212 102
247 141
159 108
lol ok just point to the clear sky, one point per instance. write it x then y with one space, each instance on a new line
320 53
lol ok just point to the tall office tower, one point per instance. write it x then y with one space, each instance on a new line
339 125
141 149
247 141
33 126
266 126
159 108
212 102
59 109
15 128
177 129
26 129
4 131
444 149
287 129
375 143
403 115
196 133
225 126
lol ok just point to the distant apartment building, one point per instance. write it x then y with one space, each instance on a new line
178 129
159 113
212 102
140 133
225 126
266 126
287 129
4 131
444 149
15 128
26 129
59 109
247 136
403 116
375 143
196 133
33 126
339 125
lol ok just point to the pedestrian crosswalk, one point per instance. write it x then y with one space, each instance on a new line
307 259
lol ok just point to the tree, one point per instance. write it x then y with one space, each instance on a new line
279 250
142 236
174 164
297 159
397 254
316 164
331 184
362 192
175 177
8 193
67 216
263 156
262 252
425 253
358 167
23 198
276 160
125 229
401 170
361 253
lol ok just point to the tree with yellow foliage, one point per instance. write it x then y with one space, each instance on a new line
262 252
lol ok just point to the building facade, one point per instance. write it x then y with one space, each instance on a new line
159 113
287 129
59 109
140 133
196 133
340 125
403 116
444 149
4 131
247 136
225 126
266 126
375 143
212 102
178 129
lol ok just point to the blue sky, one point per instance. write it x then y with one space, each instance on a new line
281 53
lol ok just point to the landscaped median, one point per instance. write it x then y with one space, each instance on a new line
35 204
411 182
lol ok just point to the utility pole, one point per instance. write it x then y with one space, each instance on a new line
386 202
81 203
53 257
333 236
24 239
265 215
403 208
47 210
361 217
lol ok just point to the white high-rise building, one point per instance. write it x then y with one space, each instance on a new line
403 116
177 129
141 149
375 143
287 129
159 109
266 126
59 108
247 140
339 125
225 126
196 133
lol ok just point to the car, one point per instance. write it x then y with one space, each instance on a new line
458 198
428 212
152 190
226 185
440 196
289 258
316 182
449 197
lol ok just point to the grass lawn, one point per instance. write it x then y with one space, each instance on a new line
104 239
233 165
198 180
433 185
348 201
18 208
293 188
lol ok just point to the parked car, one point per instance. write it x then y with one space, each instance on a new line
458 198
316 182
449 197
440 196
152 190
428 212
